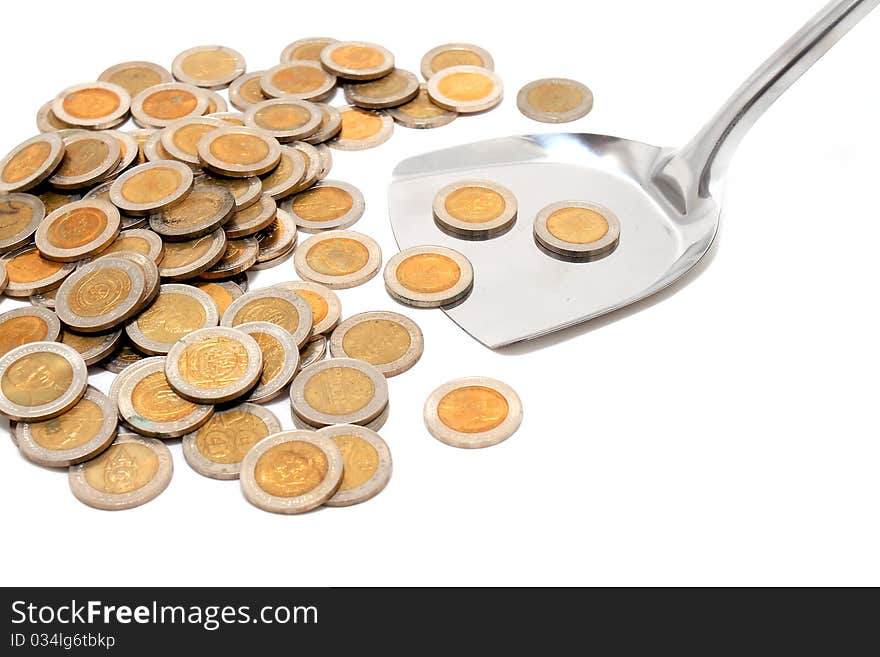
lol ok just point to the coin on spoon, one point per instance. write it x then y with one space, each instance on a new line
475 209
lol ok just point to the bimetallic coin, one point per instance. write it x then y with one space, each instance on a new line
313 351
138 240
246 91
291 472
75 436
252 219
428 276
239 152
357 60
124 356
20 214
331 124
276 306
94 347
210 67
366 463
131 472
129 372
214 365
153 148
53 199
301 80
339 391
30 273
47 121
396 88
577 230
181 138
163 104
31 162
216 102
475 209
362 129
222 293
455 54
280 359
327 205
326 309
555 100
29 324
177 311
140 136
96 105
240 255
217 448
473 412
389 341
153 186
78 230
101 294
338 259
150 272
134 77
311 157
306 49
205 209
40 380
274 262
102 193
245 191
285 119
129 147
241 280
185 260
421 112
284 178
232 118
374 425
466 89
88 158
278 239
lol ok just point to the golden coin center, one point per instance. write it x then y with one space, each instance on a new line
26 162
128 243
135 79
30 267
360 461
239 148
17 331
299 79
322 203
74 428
428 273
291 469
77 227
151 185
213 362
36 379
448 58
339 390
187 137
14 217
170 317
359 124
577 225
194 209
154 400
338 256
357 58
91 103
465 86
268 309
208 64
273 356
475 204
317 303
421 107
123 468
83 156
555 97
170 104
99 292
473 409
228 436
281 117
179 254
219 295
376 341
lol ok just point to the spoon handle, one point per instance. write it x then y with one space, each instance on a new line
689 174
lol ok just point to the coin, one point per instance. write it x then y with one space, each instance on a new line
366 463
284 178
94 347
53 199
323 302
30 273
239 152
280 359
357 60
184 260
20 214
375 424
301 80
140 137
222 293
339 391
177 311
473 412
246 91
475 209
217 448
205 209
101 294
396 88
389 341
40 380
77 230
327 205
331 124
421 112
245 191
88 158
29 324
129 372
102 192
47 121
577 230
214 365
428 276
466 89
232 118
75 436
134 77
338 259
151 276
278 239
455 54
181 138
276 306
211 67
96 105
311 157
138 240
216 102
306 49
252 219
285 119
120 359
326 160
128 145
555 100
274 262
153 148
131 472
162 104
151 186
313 351
239 256
362 129
31 162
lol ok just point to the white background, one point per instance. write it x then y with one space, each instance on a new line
726 435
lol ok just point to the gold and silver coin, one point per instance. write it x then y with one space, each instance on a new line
180 139
475 209
75 436
29 324
134 77
239 152
366 463
185 260
222 293
277 241
4 278
95 105
275 305
101 192
177 311
163 104
239 256
151 276
306 49
78 230
555 100
301 80
129 147
246 91
396 88
245 191
209 67
331 124
120 359
214 365
428 276
216 103
327 205
338 259
153 148
421 112
205 209
313 351
40 380
389 341
280 359
252 219
31 162
140 136
362 129
131 472
473 412
291 472
89 157
455 54
101 294
285 119
326 309
313 162
93 347
138 240
30 273
339 391
284 178
150 187
577 230
357 60
47 121
218 447
41 300
466 89
21 214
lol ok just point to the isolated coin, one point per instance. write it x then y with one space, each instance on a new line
327 205
239 152
30 273
246 91
138 240
466 89
280 359
205 209
421 112
88 158
339 391
366 463
95 105
313 351
31 162
306 49
40 380
277 239
473 412
303 80
252 219
180 139
357 60
285 177
218 447
29 324
93 347
20 214
124 356
331 124
475 209
325 306
185 260
578 230
555 100
285 119
211 67
162 104
176 312
276 306
454 54
240 255
101 295
131 472
153 186
78 230
338 259
428 276
396 88
134 77
245 191
362 129
389 341
222 293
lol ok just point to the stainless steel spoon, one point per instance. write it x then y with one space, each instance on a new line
667 200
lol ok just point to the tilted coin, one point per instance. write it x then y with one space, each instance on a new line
211 67
291 472
232 118
276 261
302 80
366 463
29 324
40 380
93 347
31 162
20 214
473 412
280 359
252 219
140 136
277 306
240 255
245 191
577 230
138 240
285 119
326 160
331 124
101 295
421 112
150 272
88 158
153 148
96 105
162 104
389 341
475 209
466 89
362 129
239 152
205 209
216 102
306 49
131 472
129 372
339 391
222 293
30 273
312 160
285 177
134 77
77 435
185 260
78 230
326 309
338 259
102 192
41 300
177 311
151 186
396 88
246 91
357 60
124 356
47 121
555 100
129 148
217 448
277 239
53 199
455 54
181 138
428 276
327 205
214 365
313 351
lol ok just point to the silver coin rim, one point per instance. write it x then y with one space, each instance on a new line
367 272
261 221
197 267
65 401
594 250
411 90
289 243
239 170
182 190
43 121
324 133
531 112
234 91
334 307
104 239
141 118
322 351
375 424
409 297
131 151
313 168
103 350
273 388
375 484
47 284
303 310
484 230
346 220
154 347
53 324
274 262
217 100
378 139
120 112
209 83
363 415
166 136
41 173
24 236
286 186
204 226
118 314
379 71
425 64
245 261
392 368
470 106
107 166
